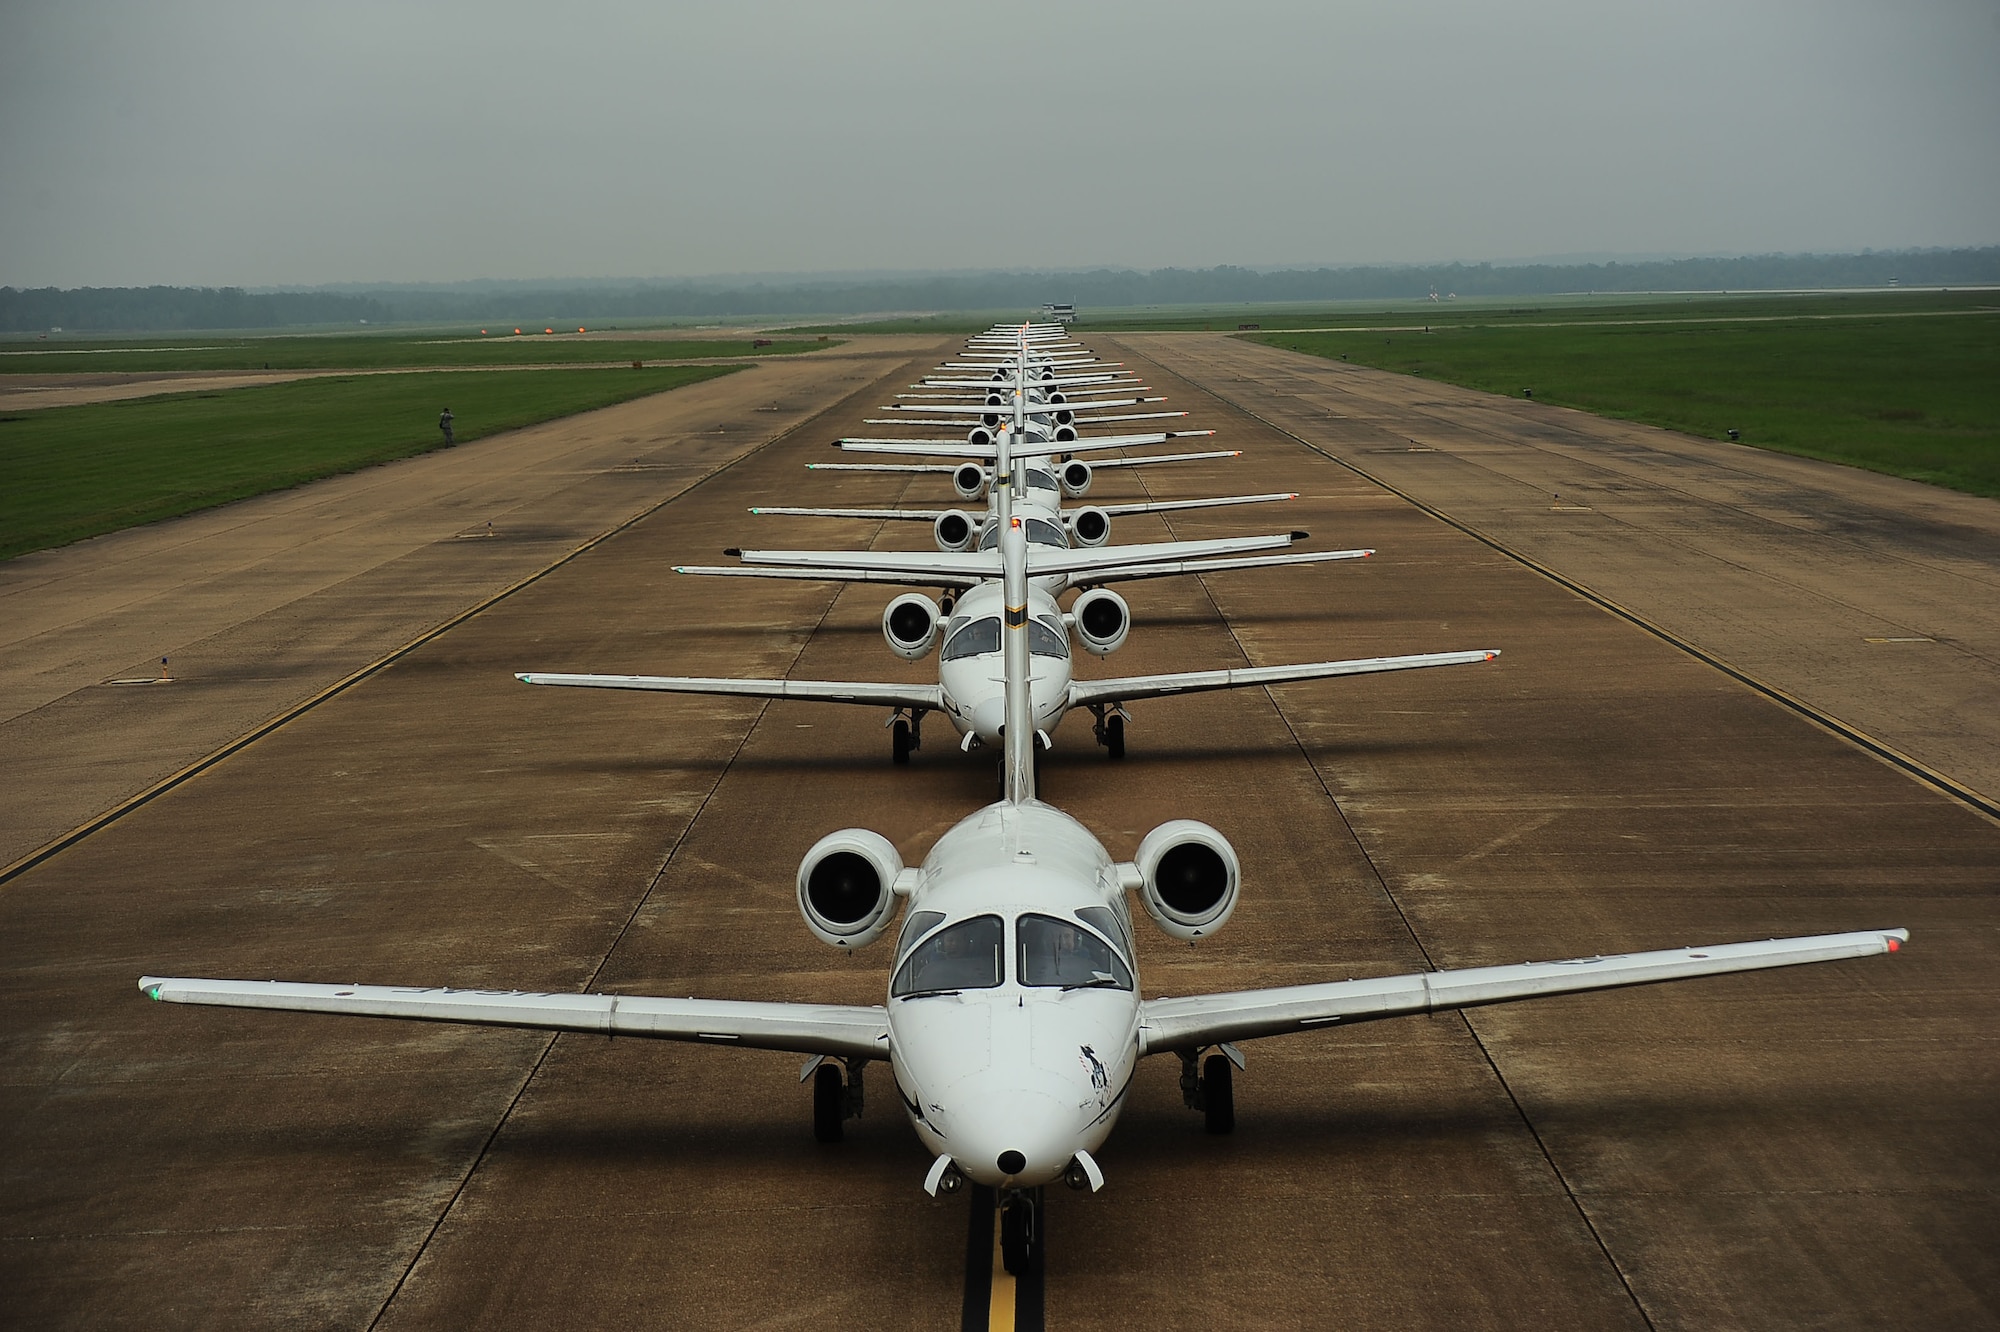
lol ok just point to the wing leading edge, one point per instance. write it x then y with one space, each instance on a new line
1210 1019
845 1031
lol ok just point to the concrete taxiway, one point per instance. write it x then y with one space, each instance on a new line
1798 1149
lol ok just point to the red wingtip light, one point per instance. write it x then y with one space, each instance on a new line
1894 943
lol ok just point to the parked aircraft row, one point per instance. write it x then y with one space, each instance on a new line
1013 1018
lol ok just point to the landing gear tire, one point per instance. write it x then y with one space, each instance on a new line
1218 1094
899 742
1114 736
1017 1235
829 1103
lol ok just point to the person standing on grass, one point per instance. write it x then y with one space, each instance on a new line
444 424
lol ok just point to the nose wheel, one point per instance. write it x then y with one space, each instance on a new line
1021 1232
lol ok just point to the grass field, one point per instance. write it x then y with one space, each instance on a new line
1893 390
1418 313
72 472
367 352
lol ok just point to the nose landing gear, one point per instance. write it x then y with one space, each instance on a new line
1021 1232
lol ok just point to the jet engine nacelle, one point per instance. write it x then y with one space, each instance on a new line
1090 526
910 623
1102 620
969 480
1065 434
1076 476
954 529
979 437
1189 876
847 887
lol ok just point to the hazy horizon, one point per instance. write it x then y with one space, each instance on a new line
221 143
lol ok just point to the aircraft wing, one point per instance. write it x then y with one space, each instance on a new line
844 1031
819 691
1173 506
887 515
1129 573
1140 461
1209 1019
1027 449
1127 688
1043 561
1032 408
941 469
917 577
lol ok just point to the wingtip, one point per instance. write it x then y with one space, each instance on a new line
734 551
1300 536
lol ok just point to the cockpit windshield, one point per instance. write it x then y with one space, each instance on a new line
1041 532
973 639
1046 639
1062 952
982 638
1040 480
965 956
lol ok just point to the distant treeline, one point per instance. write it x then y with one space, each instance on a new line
101 309
156 308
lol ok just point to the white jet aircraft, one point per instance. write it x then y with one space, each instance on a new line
1013 1022
971 690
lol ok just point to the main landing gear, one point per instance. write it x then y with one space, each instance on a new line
906 735
835 1099
1108 724
1209 1085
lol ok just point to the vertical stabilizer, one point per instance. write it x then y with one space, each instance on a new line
1018 734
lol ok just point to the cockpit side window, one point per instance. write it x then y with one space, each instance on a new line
1047 640
1040 480
1062 952
965 956
1107 923
978 637
1042 532
916 927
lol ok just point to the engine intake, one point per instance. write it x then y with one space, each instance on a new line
847 887
979 437
1102 621
910 624
1189 878
954 529
1066 434
969 480
1076 477
1090 526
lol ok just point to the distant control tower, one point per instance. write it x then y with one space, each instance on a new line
1063 313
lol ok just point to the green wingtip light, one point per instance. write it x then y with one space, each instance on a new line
153 993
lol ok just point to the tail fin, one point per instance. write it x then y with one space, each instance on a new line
1018 734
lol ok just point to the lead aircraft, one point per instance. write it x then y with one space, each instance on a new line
1013 1020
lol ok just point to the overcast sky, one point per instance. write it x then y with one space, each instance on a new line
220 142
